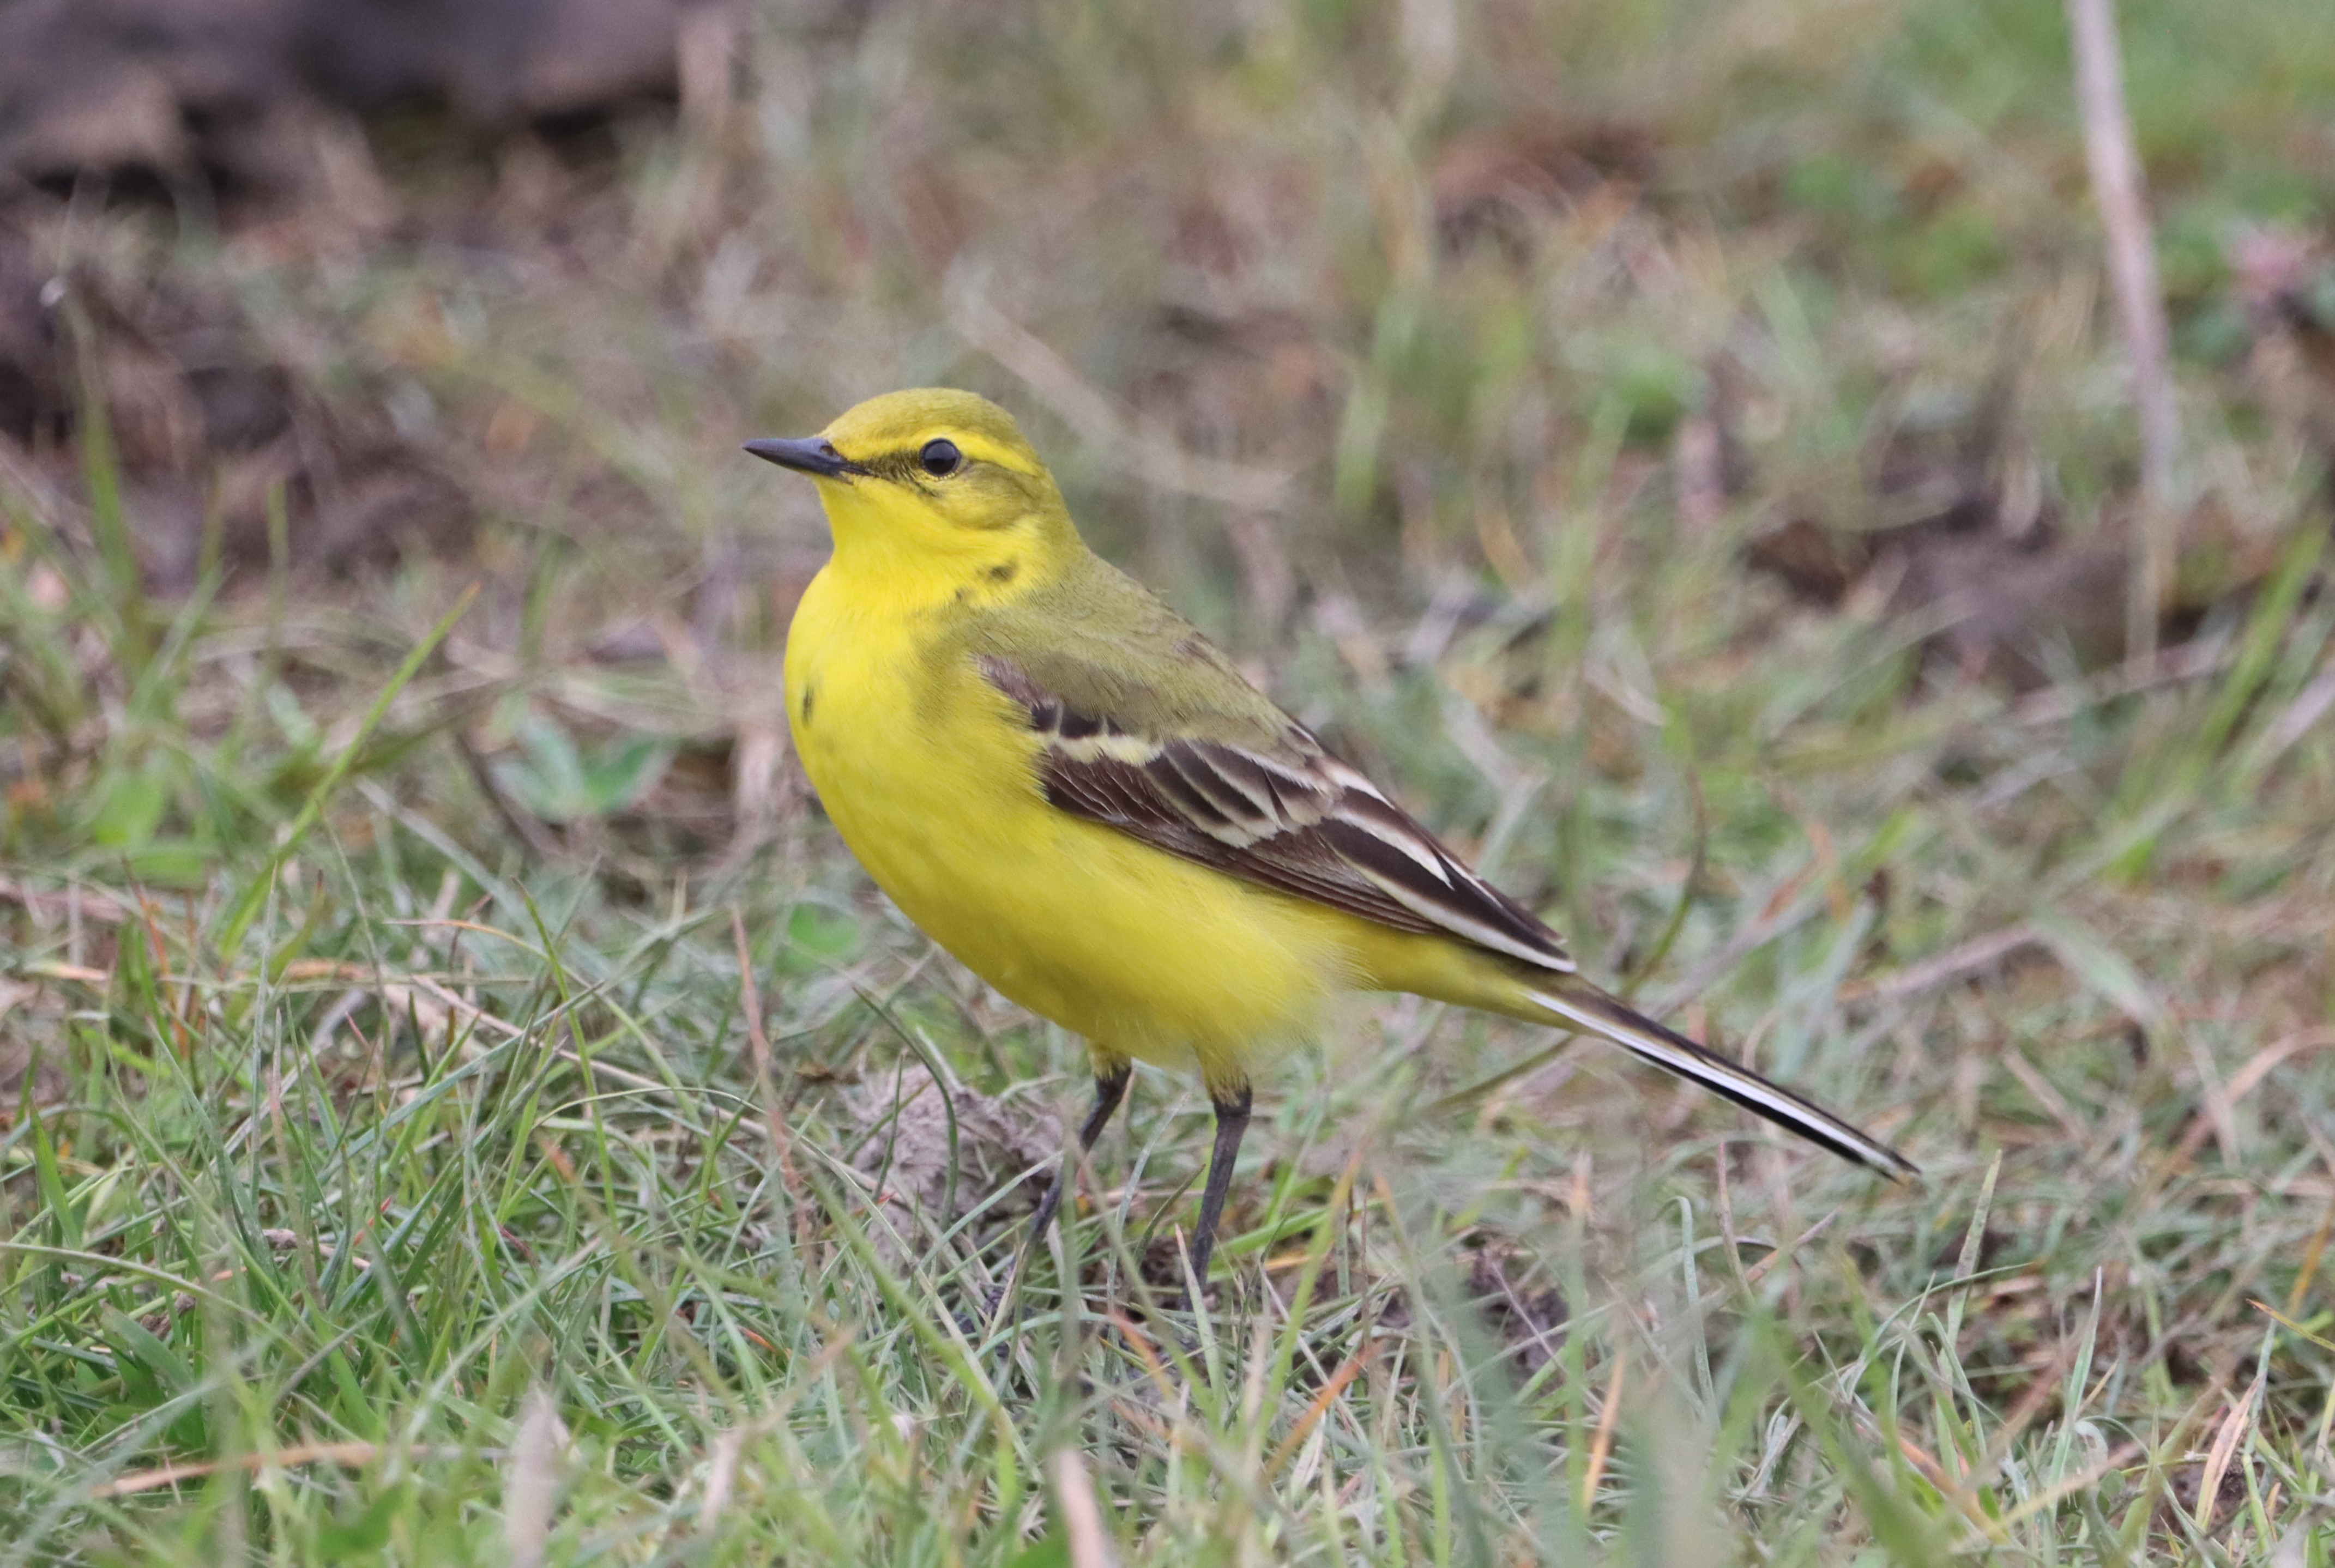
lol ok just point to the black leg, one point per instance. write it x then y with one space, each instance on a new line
1232 1121
1110 1087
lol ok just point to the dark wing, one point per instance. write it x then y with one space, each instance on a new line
1287 815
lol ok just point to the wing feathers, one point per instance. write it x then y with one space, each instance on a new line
1293 818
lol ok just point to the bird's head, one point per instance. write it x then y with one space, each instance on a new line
932 472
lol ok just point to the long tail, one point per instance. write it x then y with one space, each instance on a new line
1577 1001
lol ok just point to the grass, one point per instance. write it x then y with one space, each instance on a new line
472 1110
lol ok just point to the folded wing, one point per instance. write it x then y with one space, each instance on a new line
1286 815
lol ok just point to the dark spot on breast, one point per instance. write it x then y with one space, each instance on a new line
1002 572
962 595
811 694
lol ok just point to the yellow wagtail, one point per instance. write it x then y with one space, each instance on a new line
1072 790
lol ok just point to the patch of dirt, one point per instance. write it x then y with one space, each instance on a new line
1490 182
159 94
1973 549
207 421
243 114
1508 1287
1951 521
1957 526
995 1140
1521 1309
2184 1488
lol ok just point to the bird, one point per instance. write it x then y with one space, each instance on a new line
1068 788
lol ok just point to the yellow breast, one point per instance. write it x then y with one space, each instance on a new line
929 774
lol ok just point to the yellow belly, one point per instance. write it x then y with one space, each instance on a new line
928 774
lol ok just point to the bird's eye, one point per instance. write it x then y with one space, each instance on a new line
941 459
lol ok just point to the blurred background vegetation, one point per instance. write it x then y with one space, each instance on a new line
1680 445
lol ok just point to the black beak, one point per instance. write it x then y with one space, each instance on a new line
814 455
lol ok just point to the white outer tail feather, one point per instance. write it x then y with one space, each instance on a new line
1610 1018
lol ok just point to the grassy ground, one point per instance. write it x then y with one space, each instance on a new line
471 1108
